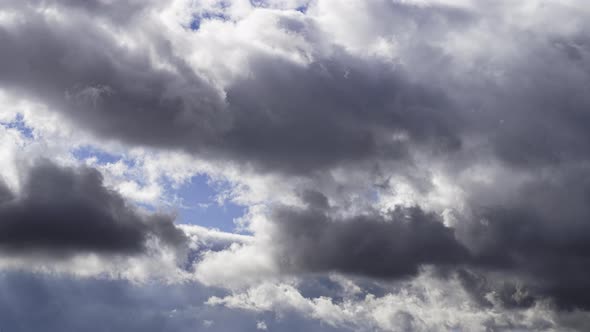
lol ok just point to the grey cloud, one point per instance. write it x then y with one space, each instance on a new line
528 110
119 12
509 293
540 108
116 92
538 232
5 193
285 118
525 243
391 246
315 199
64 211
337 111
532 236
334 112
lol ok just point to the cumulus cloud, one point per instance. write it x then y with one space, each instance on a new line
332 110
94 79
423 304
538 230
70 211
391 246
367 139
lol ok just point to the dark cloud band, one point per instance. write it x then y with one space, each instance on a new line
392 246
66 211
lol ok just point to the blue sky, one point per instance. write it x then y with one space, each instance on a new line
200 206
102 157
19 124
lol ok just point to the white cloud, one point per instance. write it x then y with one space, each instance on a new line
261 325
426 303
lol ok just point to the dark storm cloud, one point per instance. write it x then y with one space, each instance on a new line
299 119
391 246
532 238
5 193
113 90
537 115
540 233
63 211
523 244
529 110
334 112
285 118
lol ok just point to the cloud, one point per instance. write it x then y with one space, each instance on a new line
333 110
64 211
425 303
336 106
261 325
92 78
537 231
390 246
367 139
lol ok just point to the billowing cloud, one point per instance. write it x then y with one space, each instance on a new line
67 211
422 304
538 231
391 246
95 80
401 148
332 110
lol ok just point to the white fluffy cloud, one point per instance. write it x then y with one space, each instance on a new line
426 303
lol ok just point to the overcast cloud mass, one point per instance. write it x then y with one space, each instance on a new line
289 165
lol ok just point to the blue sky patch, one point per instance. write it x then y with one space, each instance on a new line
19 124
199 206
198 19
302 9
103 157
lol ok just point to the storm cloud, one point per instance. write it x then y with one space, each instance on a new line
373 140
391 246
66 211
540 232
287 118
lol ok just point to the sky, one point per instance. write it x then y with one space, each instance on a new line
294 165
